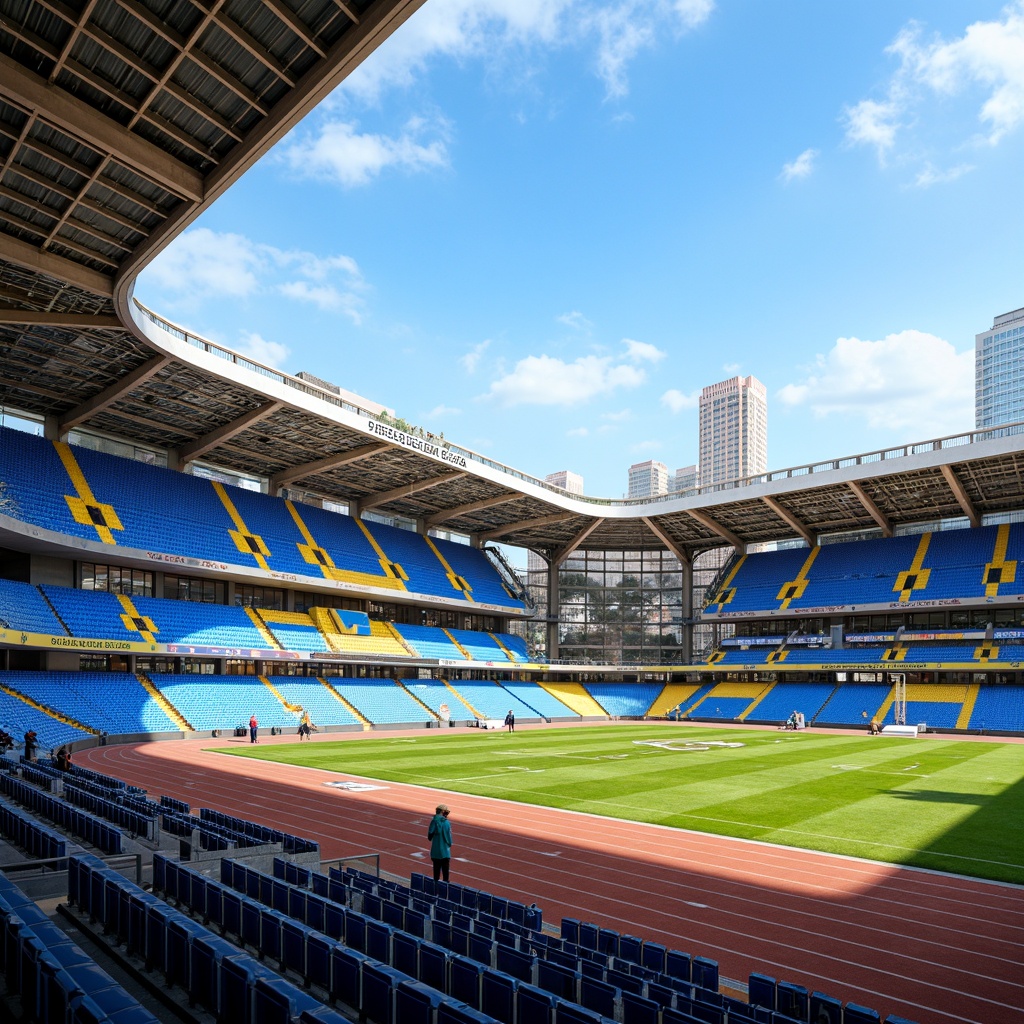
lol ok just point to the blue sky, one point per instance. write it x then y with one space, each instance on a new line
542 226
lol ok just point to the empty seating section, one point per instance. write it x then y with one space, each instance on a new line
295 631
849 702
936 714
22 606
224 702
479 646
434 693
516 646
722 707
17 717
539 701
112 702
193 623
310 694
944 565
492 700
381 701
784 698
70 819
999 708
429 642
626 699
124 503
89 613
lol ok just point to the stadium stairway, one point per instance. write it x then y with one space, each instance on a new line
462 650
363 720
765 690
169 709
288 706
576 698
462 700
670 698
968 709
57 716
426 707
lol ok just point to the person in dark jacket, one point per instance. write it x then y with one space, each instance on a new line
510 721
440 835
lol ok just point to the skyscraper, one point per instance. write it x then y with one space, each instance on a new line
999 372
647 479
567 480
685 479
733 430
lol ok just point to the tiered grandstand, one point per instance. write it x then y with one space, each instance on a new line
189 538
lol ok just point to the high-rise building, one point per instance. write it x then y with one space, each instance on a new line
647 479
999 372
733 430
567 480
685 479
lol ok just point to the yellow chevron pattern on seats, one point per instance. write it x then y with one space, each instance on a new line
380 641
55 715
254 618
898 652
715 656
757 700
288 706
726 592
916 577
134 622
271 615
327 626
575 696
169 709
247 543
671 696
795 588
750 690
462 650
968 709
458 696
986 653
316 555
85 509
459 583
391 569
508 654
774 657
999 570
360 717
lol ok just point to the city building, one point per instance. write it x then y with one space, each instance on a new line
647 479
685 479
733 430
567 480
999 372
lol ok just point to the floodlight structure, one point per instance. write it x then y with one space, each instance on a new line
899 703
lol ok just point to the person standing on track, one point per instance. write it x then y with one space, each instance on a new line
510 721
440 835
254 728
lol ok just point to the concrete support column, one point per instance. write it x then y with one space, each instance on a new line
51 428
553 609
686 566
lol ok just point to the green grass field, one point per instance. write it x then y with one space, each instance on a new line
943 804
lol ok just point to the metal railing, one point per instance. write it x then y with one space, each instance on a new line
791 472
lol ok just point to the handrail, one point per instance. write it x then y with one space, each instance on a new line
825 466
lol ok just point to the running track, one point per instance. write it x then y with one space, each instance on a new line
938 949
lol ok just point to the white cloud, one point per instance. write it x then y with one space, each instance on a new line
930 175
545 380
988 59
503 32
642 351
801 167
577 432
576 320
259 350
617 417
204 264
338 152
471 360
910 381
676 401
442 410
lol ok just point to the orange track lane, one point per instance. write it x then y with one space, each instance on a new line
938 949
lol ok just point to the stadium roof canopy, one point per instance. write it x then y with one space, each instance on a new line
121 120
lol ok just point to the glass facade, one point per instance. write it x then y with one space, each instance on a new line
999 372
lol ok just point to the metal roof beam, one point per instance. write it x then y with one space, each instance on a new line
558 557
665 539
201 445
33 258
288 476
75 321
108 396
708 523
961 495
376 500
871 508
472 506
526 524
791 520
106 136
